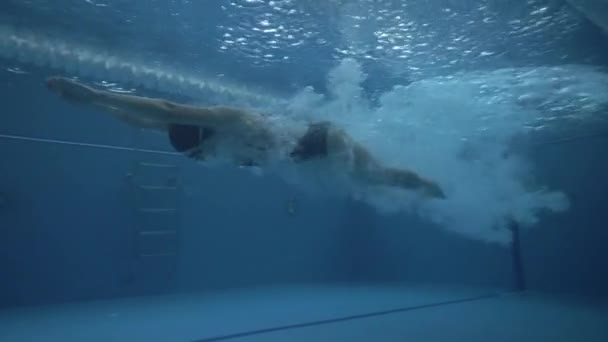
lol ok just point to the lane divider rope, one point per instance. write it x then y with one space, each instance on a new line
83 144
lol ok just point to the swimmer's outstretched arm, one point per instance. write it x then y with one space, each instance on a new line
366 168
143 111
409 180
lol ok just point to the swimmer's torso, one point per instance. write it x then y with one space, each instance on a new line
248 147
246 143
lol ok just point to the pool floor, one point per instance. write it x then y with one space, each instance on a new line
316 313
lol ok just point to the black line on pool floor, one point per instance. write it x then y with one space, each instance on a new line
348 318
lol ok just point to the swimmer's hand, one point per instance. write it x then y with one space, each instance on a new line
71 90
432 190
409 180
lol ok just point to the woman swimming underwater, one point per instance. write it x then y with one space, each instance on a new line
243 136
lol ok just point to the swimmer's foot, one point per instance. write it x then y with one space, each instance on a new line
71 90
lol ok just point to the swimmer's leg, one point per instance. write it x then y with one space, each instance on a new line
79 93
135 120
148 111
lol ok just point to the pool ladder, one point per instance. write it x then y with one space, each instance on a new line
156 197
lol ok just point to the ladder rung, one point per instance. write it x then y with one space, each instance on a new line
157 187
152 255
157 210
158 165
157 232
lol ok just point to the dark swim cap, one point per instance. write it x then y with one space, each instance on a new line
313 144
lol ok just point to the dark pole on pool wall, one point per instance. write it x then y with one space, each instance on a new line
518 266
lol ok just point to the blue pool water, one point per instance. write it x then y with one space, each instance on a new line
110 234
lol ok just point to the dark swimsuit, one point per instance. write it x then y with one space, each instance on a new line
313 144
188 138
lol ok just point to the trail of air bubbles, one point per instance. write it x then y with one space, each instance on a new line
37 49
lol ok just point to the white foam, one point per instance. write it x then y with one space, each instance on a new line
455 130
